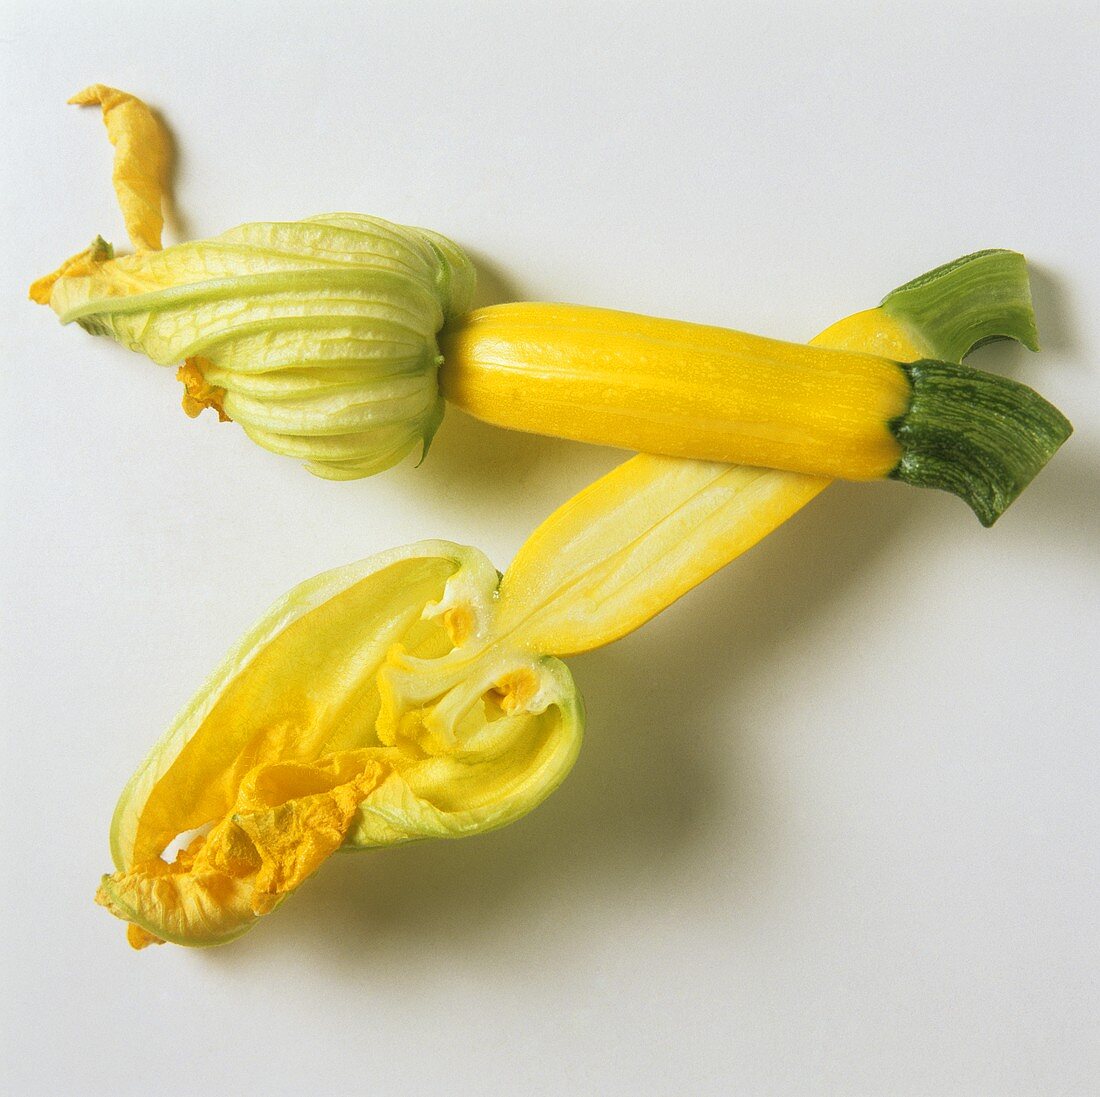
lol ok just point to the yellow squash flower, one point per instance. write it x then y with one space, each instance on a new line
371 706
318 337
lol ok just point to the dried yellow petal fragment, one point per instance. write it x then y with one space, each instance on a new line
198 393
192 898
143 153
139 938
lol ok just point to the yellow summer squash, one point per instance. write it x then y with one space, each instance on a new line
335 339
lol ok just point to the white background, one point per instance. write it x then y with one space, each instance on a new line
834 829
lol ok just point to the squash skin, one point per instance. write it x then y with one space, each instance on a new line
674 388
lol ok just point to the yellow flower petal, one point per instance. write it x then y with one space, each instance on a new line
373 705
294 835
139 938
143 153
188 901
318 336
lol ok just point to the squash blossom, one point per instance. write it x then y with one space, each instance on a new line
335 339
418 694
316 336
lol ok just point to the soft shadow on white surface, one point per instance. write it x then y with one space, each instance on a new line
1055 322
495 286
1054 310
647 786
1070 503
175 219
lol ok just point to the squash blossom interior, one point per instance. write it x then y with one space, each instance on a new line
319 337
418 694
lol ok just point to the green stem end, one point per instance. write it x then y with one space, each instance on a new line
964 304
977 435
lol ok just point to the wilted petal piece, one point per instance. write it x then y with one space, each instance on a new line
198 393
143 153
190 900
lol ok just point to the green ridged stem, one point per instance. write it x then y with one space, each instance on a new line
979 436
964 304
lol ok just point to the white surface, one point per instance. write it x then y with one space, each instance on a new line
834 829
